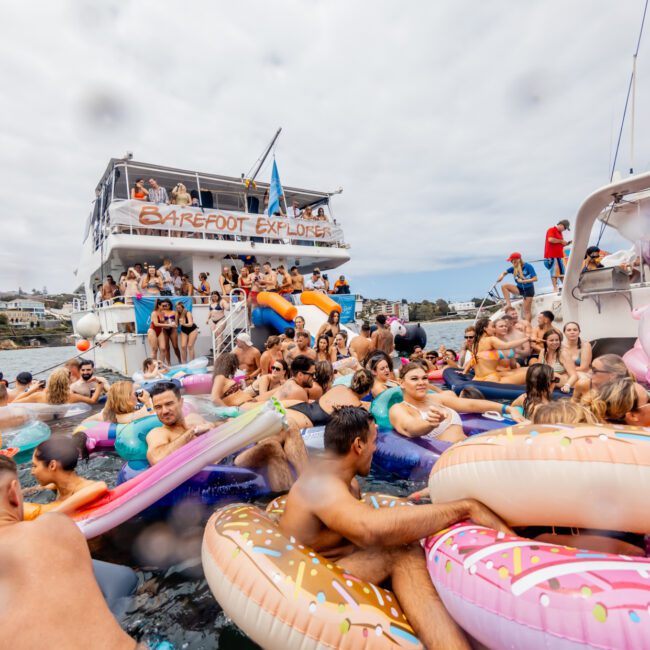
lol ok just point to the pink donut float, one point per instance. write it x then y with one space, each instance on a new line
197 384
510 592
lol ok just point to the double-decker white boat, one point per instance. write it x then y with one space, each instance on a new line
227 227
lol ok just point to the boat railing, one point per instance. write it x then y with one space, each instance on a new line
107 226
236 321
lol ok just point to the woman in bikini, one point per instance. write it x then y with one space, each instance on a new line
559 359
225 390
53 466
151 282
189 332
225 281
217 309
272 353
580 351
435 415
380 366
316 414
204 287
488 351
323 349
169 323
155 334
331 327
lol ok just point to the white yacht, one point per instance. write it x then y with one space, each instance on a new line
227 227
603 300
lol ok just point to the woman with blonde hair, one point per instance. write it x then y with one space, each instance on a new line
180 195
621 401
130 285
525 276
57 391
563 411
122 404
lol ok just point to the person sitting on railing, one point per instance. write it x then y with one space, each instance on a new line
180 195
341 286
151 283
138 191
157 194
315 282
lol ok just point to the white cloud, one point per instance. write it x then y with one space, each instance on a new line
459 130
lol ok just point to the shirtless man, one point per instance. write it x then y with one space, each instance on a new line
297 281
544 324
301 348
177 429
284 280
362 344
520 328
248 355
47 571
22 383
256 286
323 511
288 341
87 382
302 376
72 366
269 278
382 337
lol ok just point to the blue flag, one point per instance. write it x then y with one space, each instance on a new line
275 191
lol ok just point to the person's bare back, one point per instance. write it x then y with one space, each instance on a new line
290 390
382 339
51 596
360 346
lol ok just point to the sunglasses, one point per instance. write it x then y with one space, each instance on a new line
311 374
470 337
278 368
595 371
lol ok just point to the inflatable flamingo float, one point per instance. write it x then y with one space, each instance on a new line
638 358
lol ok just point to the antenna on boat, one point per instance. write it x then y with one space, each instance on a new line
249 179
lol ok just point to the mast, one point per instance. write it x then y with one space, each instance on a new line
248 179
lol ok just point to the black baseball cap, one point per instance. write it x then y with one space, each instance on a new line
24 377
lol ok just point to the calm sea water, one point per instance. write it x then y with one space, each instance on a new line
173 601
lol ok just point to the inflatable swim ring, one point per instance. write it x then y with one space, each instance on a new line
284 596
25 439
47 412
456 380
510 592
197 384
582 476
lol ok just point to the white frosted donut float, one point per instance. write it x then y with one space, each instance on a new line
284 595
510 592
582 476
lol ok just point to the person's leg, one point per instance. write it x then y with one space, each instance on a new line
173 340
184 339
191 341
516 376
528 309
163 346
509 290
553 274
560 270
268 454
418 597
153 343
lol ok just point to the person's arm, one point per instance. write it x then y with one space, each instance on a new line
368 527
84 496
586 356
25 397
412 425
75 397
158 446
567 361
498 344
463 405
218 390
555 240
503 275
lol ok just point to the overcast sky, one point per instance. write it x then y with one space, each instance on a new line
459 130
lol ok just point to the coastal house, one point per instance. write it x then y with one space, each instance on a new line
22 313
463 308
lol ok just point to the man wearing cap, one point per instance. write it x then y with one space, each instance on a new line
554 251
315 282
525 276
248 356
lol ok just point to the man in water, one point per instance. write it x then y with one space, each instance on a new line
544 324
49 590
323 511
554 251
382 337
23 382
177 429
248 355
303 369
87 383
361 345
301 348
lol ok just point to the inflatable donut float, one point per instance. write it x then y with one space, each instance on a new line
582 476
510 592
284 595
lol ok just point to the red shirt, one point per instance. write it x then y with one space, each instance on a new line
551 249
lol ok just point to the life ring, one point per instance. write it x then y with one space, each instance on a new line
507 591
25 439
284 595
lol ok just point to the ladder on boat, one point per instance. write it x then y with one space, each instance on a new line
235 322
